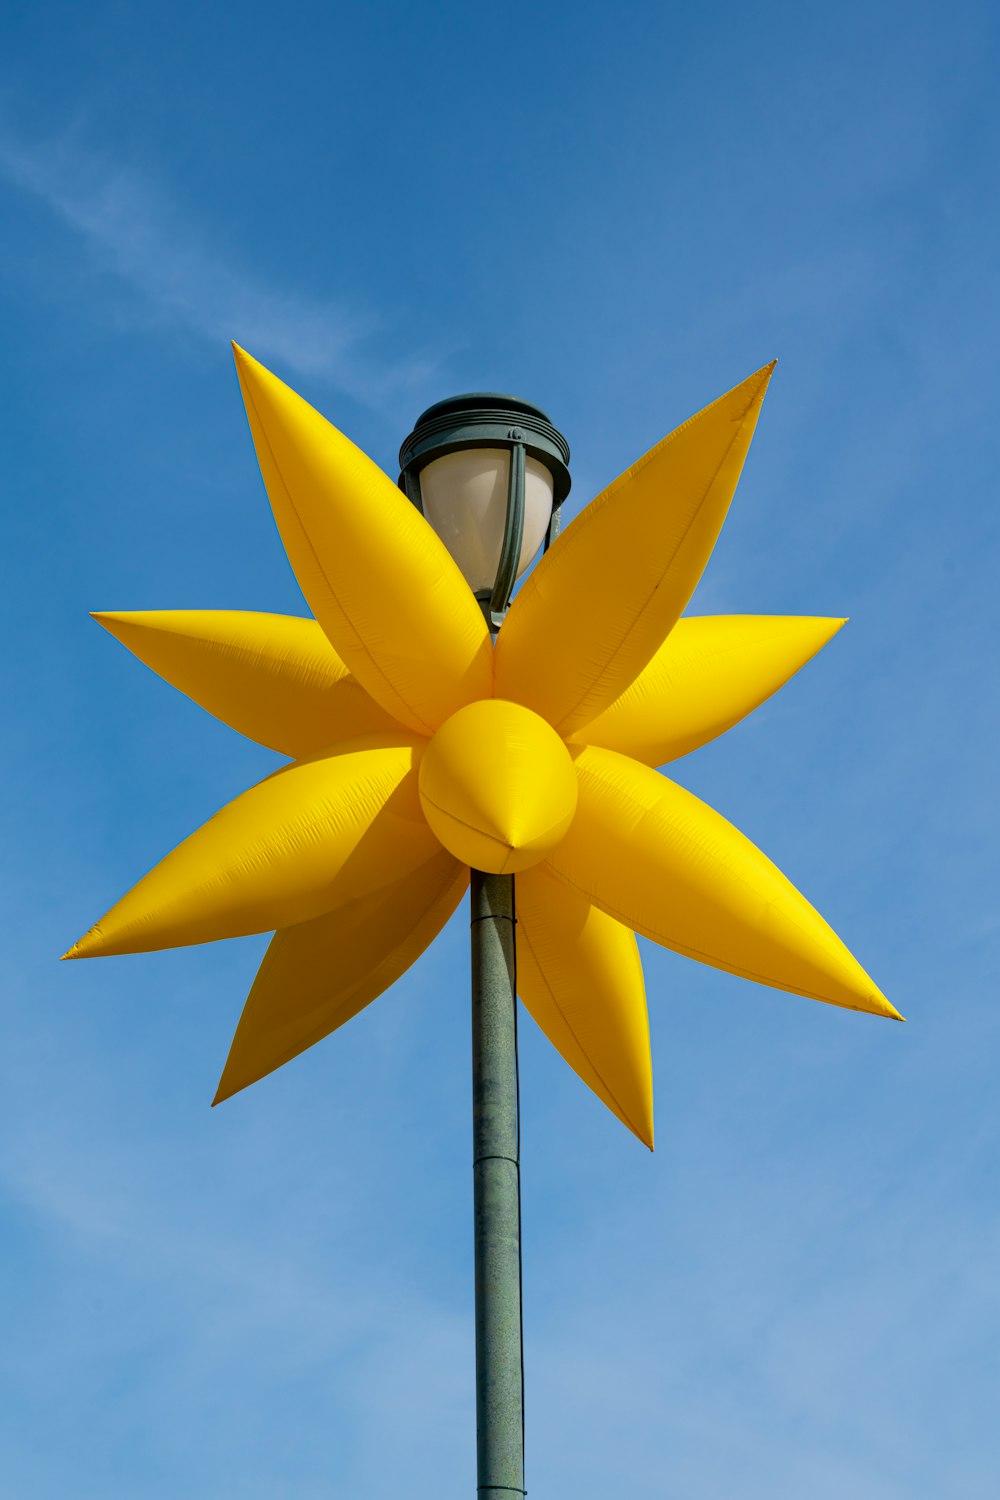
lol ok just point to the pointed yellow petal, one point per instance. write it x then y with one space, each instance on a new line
655 857
314 835
382 585
709 673
275 678
318 975
579 974
604 597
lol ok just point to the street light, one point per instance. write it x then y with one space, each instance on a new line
490 473
417 748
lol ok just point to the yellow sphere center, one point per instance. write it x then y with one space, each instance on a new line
498 786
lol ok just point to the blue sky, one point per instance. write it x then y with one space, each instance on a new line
618 212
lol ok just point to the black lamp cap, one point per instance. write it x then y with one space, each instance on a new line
486 419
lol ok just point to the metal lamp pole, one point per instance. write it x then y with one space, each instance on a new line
496 1190
497 425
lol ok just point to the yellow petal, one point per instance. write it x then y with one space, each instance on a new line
604 597
382 585
579 974
314 835
319 974
275 678
709 673
655 857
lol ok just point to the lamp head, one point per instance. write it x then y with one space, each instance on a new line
489 472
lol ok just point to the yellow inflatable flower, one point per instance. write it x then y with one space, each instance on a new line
419 749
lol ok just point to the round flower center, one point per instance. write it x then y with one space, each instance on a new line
498 786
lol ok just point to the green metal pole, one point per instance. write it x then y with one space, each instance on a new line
496 1187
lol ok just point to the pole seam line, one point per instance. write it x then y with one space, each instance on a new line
495 1156
493 917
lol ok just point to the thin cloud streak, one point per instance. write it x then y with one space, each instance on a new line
137 234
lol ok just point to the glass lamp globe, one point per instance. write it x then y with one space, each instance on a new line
465 499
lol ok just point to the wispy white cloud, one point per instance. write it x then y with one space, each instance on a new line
133 230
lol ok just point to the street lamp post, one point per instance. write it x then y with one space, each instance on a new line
490 474
415 752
